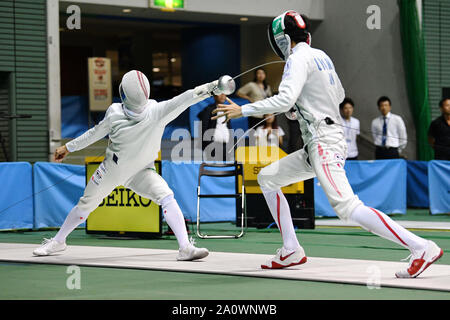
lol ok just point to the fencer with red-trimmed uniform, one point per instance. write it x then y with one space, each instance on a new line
311 91
135 128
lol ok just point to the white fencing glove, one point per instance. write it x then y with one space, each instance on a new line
291 114
207 89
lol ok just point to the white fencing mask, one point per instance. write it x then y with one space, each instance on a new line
134 91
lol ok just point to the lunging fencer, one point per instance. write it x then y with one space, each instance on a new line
311 91
135 128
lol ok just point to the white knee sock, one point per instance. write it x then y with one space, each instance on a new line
73 220
175 219
380 224
281 213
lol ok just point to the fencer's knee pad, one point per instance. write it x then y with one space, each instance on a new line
264 181
88 203
167 200
79 215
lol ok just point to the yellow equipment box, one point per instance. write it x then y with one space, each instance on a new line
254 159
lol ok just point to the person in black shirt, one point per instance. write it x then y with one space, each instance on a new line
439 132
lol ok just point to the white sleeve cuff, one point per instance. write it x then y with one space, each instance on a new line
246 110
69 148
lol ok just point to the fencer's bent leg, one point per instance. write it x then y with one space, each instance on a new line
328 162
290 169
149 184
101 184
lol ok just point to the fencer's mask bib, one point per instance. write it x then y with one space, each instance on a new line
134 91
278 39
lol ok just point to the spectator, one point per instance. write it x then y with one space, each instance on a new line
221 134
351 127
269 133
256 90
389 132
439 132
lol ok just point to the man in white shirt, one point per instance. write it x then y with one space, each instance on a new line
311 85
389 132
135 128
350 126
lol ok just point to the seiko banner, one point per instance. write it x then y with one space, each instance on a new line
124 212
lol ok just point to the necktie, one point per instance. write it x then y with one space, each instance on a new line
383 140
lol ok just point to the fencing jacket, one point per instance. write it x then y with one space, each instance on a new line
134 144
311 85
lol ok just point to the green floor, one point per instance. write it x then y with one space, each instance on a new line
26 281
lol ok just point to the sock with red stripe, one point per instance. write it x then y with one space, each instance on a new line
281 213
73 220
175 219
380 224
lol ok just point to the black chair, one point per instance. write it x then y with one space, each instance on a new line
240 208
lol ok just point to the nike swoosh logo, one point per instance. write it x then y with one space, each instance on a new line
285 257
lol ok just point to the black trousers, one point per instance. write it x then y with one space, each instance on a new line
386 153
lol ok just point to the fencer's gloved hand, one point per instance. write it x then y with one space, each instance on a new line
207 89
291 114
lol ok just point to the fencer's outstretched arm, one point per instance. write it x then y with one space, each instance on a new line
89 137
294 77
168 110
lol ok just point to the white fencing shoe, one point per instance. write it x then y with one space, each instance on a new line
48 247
191 252
421 260
284 259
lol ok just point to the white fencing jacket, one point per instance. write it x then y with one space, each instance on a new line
311 85
135 143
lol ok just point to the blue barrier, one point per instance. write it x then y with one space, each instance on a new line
57 188
16 198
417 184
439 186
379 184
183 180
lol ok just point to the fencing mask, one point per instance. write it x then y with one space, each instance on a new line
134 91
287 25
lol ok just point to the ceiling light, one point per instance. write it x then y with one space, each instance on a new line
126 10
173 59
244 19
156 69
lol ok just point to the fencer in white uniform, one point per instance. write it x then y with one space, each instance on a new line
135 128
311 91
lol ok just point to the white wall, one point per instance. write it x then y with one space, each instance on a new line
54 79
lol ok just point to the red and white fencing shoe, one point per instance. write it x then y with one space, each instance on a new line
284 259
421 260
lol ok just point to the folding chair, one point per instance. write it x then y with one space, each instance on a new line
236 172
